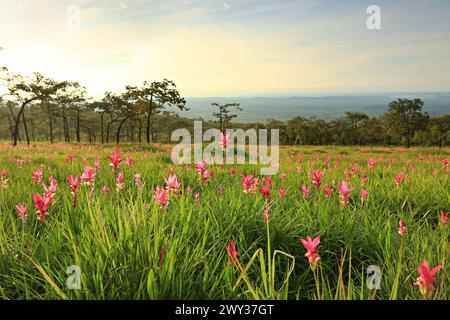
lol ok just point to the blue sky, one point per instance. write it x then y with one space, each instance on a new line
233 47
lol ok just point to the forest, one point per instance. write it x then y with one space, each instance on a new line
39 108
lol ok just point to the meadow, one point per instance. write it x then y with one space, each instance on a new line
145 228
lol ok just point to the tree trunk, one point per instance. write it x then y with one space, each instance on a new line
140 131
120 128
25 127
101 126
17 120
78 126
149 119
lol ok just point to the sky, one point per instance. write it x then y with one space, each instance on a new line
232 47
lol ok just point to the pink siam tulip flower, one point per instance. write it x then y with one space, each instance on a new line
232 252
70 158
188 189
41 205
51 190
224 140
298 168
445 163
196 196
283 176
364 194
22 211
105 190
282 192
232 171
371 163
20 163
444 218
398 179
88 176
169 170
317 177
426 279
74 185
266 181
129 162
265 191
402 228
327 190
115 160
119 182
4 179
97 166
250 184
305 191
311 246
161 196
37 176
173 184
363 180
201 167
138 180
344 192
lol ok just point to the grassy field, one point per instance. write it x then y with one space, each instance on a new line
130 245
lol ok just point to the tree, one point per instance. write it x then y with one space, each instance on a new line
69 98
24 91
155 97
405 117
224 115
440 129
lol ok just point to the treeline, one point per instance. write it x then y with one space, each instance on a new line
39 108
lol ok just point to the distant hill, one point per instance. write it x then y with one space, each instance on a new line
259 109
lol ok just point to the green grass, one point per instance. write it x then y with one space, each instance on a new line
117 239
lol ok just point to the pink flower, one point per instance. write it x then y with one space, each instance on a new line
173 184
250 184
283 176
161 196
371 163
22 211
37 175
115 160
445 163
344 192
129 162
317 177
70 157
232 171
224 140
188 189
97 166
402 228
426 280
444 218
311 247
138 180
282 192
364 194
119 182
51 190
327 190
88 176
105 190
41 205
4 173
265 191
305 191
398 179
73 183
201 167
232 252
196 196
